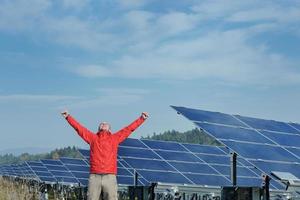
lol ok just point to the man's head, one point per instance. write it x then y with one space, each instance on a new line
104 126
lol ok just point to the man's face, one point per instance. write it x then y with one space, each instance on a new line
104 126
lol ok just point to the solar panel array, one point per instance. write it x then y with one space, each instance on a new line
269 145
154 161
179 163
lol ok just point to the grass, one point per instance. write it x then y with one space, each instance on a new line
13 190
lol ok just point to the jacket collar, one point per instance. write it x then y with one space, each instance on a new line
103 133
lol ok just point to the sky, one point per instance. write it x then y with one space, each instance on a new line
110 60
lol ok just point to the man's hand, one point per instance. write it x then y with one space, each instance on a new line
145 115
65 113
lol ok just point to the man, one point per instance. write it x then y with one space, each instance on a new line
103 155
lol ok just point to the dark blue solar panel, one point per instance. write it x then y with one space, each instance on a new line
208 179
81 174
296 126
123 172
195 148
270 125
83 182
241 171
130 142
148 164
138 153
45 174
47 179
51 162
193 167
61 173
79 168
256 148
293 150
164 177
123 164
207 116
243 162
84 152
35 163
283 167
284 139
41 169
224 149
172 146
72 161
265 152
214 159
234 133
246 181
54 167
178 156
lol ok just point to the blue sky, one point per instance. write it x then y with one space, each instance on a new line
109 60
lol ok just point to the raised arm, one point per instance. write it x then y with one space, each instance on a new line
122 134
83 132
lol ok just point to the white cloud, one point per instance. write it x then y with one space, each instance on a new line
75 4
35 98
104 97
267 13
18 15
130 4
173 44
224 55
176 23
118 91
94 71
111 97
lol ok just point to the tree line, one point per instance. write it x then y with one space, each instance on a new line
55 154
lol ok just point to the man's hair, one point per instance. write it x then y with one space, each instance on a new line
99 128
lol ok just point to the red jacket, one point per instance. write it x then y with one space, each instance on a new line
104 145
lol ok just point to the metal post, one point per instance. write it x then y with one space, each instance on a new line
233 168
136 177
266 186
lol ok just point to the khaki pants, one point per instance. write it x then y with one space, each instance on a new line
105 183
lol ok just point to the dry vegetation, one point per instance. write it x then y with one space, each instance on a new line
11 190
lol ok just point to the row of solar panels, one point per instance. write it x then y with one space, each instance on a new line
154 161
64 171
269 145
179 163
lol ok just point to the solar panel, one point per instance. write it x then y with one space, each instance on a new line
204 149
284 139
214 180
271 125
78 168
295 125
40 171
211 117
266 144
59 171
234 133
160 145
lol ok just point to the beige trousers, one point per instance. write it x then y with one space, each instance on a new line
105 183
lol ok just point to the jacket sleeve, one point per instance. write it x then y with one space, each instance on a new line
122 134
83 132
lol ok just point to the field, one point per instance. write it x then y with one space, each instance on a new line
12 190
